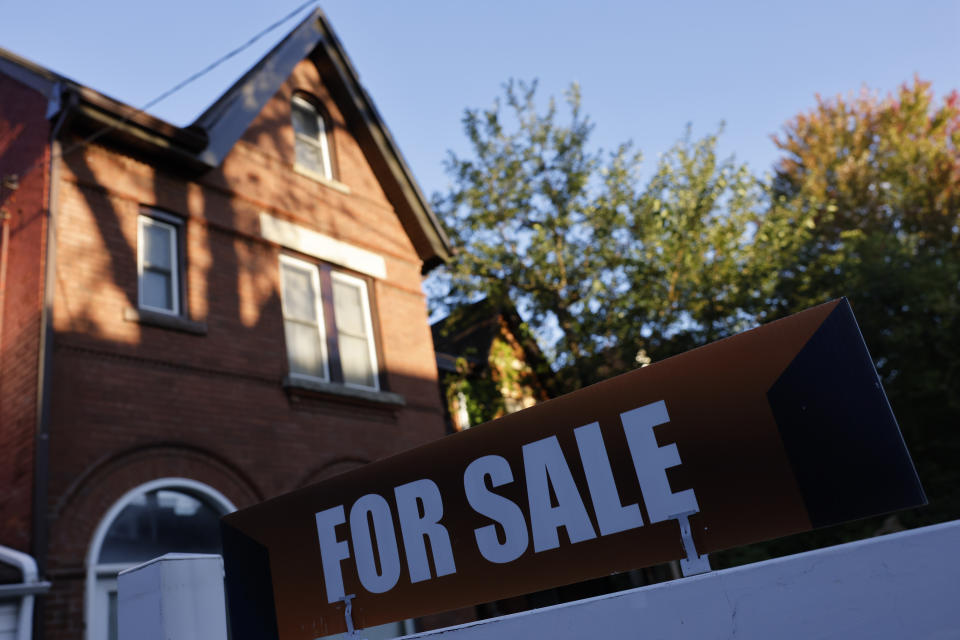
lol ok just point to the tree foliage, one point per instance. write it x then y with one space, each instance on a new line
871 188
610 268
604 265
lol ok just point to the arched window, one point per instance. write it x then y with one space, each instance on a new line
162 516
310 133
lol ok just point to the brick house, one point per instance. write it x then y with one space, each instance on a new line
196 318
489 363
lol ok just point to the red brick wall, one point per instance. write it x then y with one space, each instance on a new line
134 402
24 134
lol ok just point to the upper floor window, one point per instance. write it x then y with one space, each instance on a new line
327 325
158 263
310 133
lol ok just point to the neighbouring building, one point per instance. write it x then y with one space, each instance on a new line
196 318
489 363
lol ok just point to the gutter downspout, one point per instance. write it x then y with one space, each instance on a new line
9 183
26 590
45 373
4 251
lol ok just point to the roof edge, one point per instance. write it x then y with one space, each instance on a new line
207 141
226 120
434 233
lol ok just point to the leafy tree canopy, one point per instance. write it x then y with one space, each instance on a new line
611 268
607 268
871 187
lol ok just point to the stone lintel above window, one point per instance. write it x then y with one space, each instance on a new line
315 244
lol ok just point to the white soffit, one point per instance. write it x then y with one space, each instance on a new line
311 243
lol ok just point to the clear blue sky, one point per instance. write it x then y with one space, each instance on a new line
646 69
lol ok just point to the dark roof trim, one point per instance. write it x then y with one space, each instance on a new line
204 144
29 74
434 237
95 112
230 116
227 118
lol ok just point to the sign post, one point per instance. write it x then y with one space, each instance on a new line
771 432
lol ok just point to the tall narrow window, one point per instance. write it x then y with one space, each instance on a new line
351 308
342 348
303 319
157 265
310 131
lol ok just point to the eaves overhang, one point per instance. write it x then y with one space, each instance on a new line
205 143
416 214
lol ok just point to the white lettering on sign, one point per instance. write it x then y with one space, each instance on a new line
415 528
553 501
373 509
544 464
612 516
332 551
651 462
502 511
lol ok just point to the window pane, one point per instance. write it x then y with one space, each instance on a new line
309 156
156 250
305 120
112 616
299 296
156 289
355 360
304 349
161 522
348 308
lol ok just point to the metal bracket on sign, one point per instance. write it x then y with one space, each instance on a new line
348 610
694 563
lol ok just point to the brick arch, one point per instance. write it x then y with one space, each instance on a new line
330 469
82 507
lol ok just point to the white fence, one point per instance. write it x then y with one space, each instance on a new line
904 585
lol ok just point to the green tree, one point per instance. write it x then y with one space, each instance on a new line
871 188
602 264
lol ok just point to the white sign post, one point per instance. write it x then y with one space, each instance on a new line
178 596
903 585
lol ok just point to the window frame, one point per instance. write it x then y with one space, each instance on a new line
321 143
100 578
314 272
368 328
175 227
323 276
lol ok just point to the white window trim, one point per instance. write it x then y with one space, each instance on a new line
174 230
368 327
94 571
318 306
320 144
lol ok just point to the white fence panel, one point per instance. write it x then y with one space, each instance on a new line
8 620
904 585
178 596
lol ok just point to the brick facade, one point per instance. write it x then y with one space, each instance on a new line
24 135
132 401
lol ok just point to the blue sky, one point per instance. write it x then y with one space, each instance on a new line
645 69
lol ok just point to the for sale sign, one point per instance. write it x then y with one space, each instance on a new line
771 432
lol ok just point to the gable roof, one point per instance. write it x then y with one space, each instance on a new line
204 144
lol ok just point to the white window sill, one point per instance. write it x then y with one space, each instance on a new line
296 384
165 321
322 179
